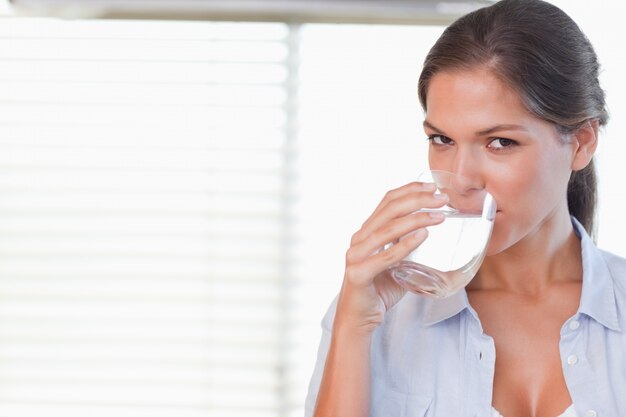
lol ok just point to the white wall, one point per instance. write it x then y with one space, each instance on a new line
603 22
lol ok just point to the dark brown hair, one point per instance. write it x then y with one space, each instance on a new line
540 52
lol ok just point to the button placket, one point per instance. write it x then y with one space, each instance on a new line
480 379
578 374
573 325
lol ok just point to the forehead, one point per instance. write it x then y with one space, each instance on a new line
474 102
472 92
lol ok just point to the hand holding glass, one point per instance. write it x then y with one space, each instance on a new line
453 251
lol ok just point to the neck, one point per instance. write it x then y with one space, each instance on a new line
548 255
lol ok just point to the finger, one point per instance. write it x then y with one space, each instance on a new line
399 207
391 231
412 187
363 273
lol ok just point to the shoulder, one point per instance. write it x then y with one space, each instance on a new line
329 316
411 310
417 322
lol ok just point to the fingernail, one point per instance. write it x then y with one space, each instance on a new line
436 215
441 196
420 234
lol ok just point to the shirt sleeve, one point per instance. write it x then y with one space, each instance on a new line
322 353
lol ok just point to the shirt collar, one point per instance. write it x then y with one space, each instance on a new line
597 298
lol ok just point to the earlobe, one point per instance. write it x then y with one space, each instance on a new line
586 138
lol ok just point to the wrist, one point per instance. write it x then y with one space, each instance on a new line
349 330
357 315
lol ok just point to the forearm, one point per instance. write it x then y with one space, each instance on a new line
345 386
367 292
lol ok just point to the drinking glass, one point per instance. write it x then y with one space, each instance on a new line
452 253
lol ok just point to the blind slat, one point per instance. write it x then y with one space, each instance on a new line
141 222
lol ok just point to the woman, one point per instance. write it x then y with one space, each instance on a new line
512 100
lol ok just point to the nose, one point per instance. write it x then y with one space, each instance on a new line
466 189
467 165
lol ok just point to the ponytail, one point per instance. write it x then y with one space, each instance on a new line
582 197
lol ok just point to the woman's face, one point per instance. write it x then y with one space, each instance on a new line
478 127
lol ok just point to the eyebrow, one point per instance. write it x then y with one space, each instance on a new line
497 128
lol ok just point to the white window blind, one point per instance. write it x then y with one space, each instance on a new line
144 191
173 216
175 202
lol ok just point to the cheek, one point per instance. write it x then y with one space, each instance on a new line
526 185
512 185
525 194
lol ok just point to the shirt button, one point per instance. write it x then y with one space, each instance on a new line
572 360
574 325
591 413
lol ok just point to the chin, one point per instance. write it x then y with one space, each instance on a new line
494 248
499 241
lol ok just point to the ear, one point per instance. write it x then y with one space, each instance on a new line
585 140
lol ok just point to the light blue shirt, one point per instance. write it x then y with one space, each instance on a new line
431 358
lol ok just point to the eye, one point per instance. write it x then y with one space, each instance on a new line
440 140
501 143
